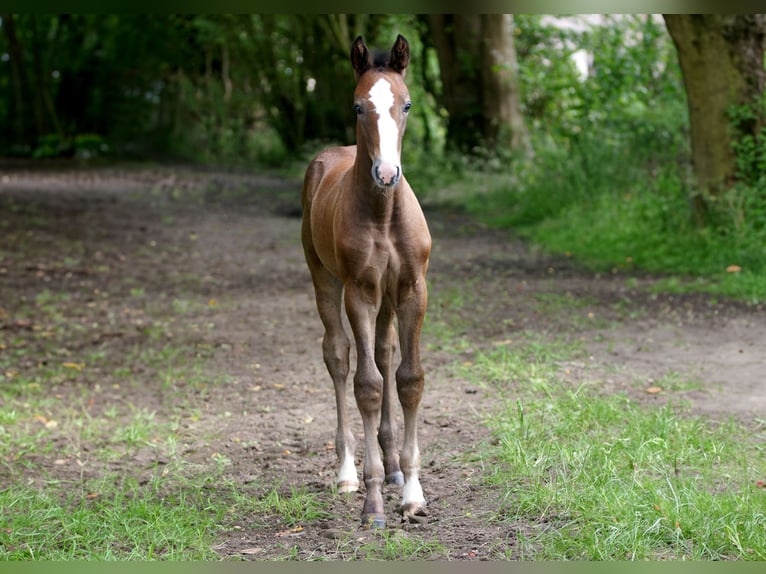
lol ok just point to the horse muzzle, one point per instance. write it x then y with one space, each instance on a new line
386 174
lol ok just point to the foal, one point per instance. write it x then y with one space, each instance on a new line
367 246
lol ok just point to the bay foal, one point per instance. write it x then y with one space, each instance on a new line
367 246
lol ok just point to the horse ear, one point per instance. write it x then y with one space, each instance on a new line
360 57
400 55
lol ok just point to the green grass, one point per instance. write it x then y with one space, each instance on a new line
587 476
114 517
614 206
650 229
111 518
292 508
400 545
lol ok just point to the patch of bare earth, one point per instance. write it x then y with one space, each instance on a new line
230 242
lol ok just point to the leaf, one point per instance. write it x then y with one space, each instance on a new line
291 532
251 551
75 366
48 423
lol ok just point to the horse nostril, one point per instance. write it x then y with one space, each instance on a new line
386 175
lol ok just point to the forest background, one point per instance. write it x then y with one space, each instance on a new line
614 139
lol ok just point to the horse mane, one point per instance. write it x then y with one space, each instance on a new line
380 59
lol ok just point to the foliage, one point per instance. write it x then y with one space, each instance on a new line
214 87
748 144
610 181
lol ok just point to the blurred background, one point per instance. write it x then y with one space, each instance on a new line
626 141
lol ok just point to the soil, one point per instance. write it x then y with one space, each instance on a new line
229 240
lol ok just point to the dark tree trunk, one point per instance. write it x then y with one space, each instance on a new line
479 76
504 126
457 39
722 61
16 52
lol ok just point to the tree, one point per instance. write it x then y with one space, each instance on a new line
479 81
722 62
211 86
504 123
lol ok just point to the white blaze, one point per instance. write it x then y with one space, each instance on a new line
382 97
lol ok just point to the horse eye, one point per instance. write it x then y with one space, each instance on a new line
358 109
407 107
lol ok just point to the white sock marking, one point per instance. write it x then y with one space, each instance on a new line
347 472
412 492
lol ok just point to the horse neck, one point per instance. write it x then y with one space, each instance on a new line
371 200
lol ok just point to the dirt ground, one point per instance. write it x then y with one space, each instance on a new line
230 240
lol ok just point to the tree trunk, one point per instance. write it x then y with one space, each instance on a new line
17 76
477 58
43 101
722 62
504 126
457 39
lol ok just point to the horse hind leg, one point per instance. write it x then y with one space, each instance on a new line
385 346
335 349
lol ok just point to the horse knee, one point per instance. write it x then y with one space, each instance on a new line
409 385
335 351
368 390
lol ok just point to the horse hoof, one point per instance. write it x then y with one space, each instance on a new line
373 521
347 486
396 478
414 513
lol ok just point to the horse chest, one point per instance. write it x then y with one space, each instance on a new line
370 258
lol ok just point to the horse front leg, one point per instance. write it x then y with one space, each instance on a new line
410 381
362 306
385 346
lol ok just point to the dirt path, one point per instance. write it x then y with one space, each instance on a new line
229 243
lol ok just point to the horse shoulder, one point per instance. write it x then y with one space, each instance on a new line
413 225
323 185
325 169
